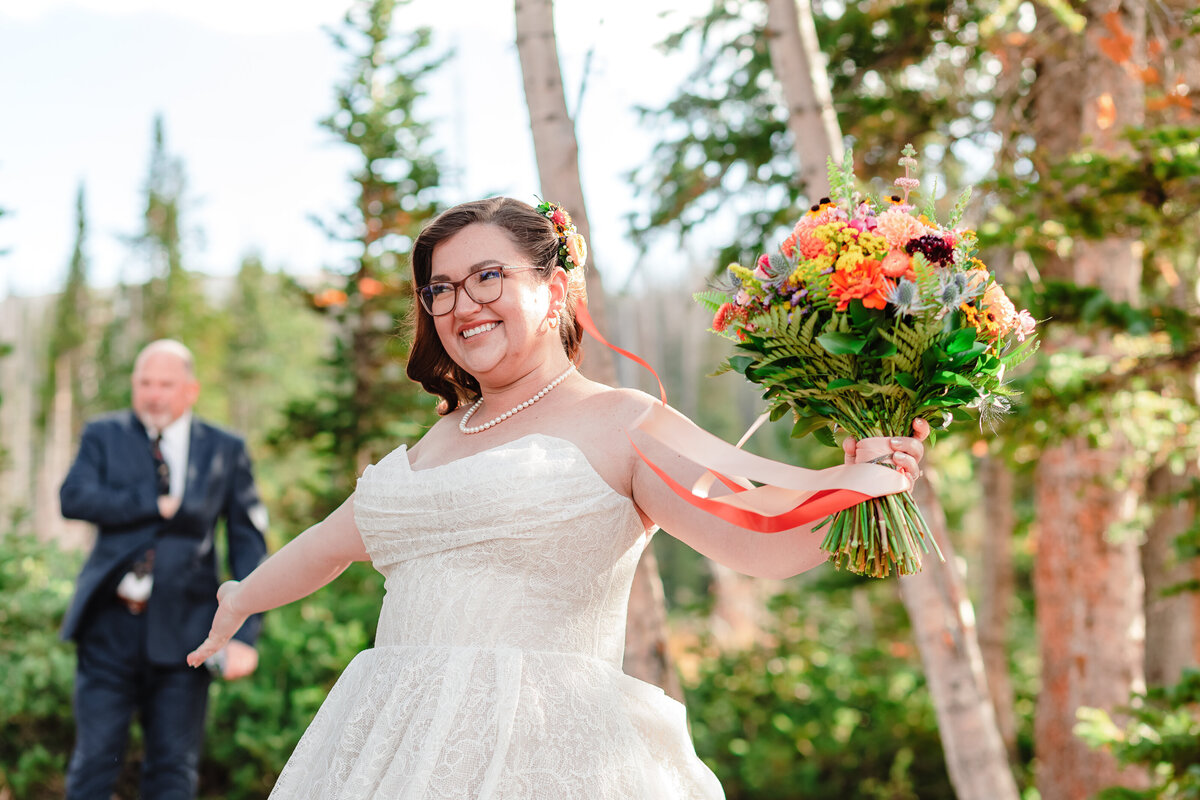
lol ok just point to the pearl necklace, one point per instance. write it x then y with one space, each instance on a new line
462 424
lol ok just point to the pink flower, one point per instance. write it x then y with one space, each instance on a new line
559 217
763 267
898 227
1025 325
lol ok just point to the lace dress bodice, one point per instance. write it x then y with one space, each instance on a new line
496 667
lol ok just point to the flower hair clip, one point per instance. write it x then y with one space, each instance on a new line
572 249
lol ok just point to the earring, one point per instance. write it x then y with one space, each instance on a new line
553 322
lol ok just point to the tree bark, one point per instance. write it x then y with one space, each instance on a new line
797 62
557 153
944 625
997 597
939 608
1171 627
557 150
1087 580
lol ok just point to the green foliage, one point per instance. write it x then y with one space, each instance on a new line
366 405
69 329
255 723
1149 191
36 669
835 707
1162 736
726 143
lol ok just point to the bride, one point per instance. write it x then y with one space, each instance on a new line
508 537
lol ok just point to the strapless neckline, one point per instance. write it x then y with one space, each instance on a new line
511 444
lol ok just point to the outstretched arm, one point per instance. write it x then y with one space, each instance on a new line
774 555
303 565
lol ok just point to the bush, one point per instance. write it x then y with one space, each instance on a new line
834 708
36 669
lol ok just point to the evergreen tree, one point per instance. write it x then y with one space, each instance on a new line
69 330
368 405
168 295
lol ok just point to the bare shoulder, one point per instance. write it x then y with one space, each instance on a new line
617 406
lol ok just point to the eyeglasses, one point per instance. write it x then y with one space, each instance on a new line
483 287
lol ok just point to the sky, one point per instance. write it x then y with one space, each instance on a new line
241 86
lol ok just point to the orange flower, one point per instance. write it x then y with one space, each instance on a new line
788 248
863 281
329 297
897 263
724 315
999 311
370 287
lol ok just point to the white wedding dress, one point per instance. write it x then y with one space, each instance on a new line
496 672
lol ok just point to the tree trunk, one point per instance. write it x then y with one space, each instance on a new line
557 154
944 625
797 62
940 610
557 150
1170 623
997 597
1087 580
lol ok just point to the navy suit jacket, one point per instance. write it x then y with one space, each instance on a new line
113 484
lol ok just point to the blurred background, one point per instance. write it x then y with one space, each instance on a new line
248 178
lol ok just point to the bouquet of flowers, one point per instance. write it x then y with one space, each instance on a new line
870 315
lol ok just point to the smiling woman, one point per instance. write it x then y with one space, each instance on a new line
509 549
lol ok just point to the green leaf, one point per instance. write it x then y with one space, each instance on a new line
840 344
740 363
824 435
841 383
711 299
778 411
961 340
905 380
806 425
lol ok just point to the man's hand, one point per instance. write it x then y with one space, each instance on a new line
168 505
240 660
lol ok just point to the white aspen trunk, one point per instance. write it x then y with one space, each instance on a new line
57 450
557 153
797 62
939 608
944 625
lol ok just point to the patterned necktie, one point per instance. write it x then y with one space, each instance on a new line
145 565
161 470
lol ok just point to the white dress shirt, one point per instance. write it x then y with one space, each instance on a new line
176 439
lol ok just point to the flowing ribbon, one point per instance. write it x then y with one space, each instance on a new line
789 497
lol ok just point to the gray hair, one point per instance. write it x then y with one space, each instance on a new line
178 349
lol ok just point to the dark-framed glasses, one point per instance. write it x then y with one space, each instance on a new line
483 286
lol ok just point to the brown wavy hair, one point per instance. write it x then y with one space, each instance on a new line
535 236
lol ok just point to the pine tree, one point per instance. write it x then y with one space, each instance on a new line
69 331
169 298
368 405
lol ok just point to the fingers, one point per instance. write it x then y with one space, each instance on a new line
907 464
202 653
849 445
921 429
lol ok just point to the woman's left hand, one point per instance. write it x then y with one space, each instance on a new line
905 452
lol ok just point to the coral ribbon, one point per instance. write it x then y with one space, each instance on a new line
789 497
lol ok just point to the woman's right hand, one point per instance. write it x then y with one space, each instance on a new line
226 623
